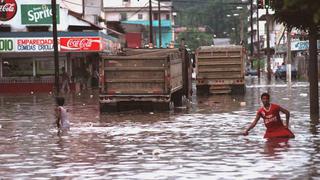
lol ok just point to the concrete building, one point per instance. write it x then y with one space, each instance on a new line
278 43
26 43
136 12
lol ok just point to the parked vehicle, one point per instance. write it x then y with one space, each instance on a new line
251 72
220 69
281 72
148 79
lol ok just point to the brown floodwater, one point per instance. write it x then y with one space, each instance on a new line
198 141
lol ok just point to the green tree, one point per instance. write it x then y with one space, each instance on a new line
211 14
304 14
194 38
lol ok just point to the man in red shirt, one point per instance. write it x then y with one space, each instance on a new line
271 115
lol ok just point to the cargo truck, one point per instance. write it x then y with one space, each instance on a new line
220 69
146 79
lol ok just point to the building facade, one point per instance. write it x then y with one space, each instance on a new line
278 42
26 45
136 12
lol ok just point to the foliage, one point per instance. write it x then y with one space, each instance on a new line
194 38
255 63
302 14
211 14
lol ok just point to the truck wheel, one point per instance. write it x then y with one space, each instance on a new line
161 106
203 90
177 98
238 89
108 108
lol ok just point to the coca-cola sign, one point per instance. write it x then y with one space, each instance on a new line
80 44
8 9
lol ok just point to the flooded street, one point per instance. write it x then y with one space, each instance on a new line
201 141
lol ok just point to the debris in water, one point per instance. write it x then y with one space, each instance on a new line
140 152
156 152
303 94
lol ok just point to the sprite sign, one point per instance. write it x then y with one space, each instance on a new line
38 14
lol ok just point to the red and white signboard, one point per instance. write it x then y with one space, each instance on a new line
80 44
66 44
8 9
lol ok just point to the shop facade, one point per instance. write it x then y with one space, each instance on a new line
26 45
27 61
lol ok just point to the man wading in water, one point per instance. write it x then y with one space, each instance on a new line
271 115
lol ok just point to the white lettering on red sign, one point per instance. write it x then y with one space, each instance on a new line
9 7
79 43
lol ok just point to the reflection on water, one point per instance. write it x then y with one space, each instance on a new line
201 141
275 146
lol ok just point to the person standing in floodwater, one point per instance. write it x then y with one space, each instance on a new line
271 115
61 115
65 80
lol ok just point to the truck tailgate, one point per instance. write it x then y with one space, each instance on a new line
135 75
220 64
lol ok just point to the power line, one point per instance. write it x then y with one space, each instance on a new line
144 6
78 4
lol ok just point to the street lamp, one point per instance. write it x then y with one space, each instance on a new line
234 28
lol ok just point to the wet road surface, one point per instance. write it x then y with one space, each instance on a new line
200 141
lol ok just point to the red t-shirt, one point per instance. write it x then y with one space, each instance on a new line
273 122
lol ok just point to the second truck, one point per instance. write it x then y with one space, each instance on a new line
220 69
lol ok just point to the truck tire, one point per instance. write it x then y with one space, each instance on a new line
161 106
203 90
108 108
177 98
238 89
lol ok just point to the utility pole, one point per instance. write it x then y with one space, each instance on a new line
159 12
258 47
150 26
241 30
55 45
289 57
313 75
251 26
83 8
268 45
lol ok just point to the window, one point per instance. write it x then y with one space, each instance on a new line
140 16
38 28
155 16
4 28
167 16
17 67
45 67
123 16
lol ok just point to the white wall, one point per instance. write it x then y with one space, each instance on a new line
120 3
15 22
74 5
115 16
65 19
